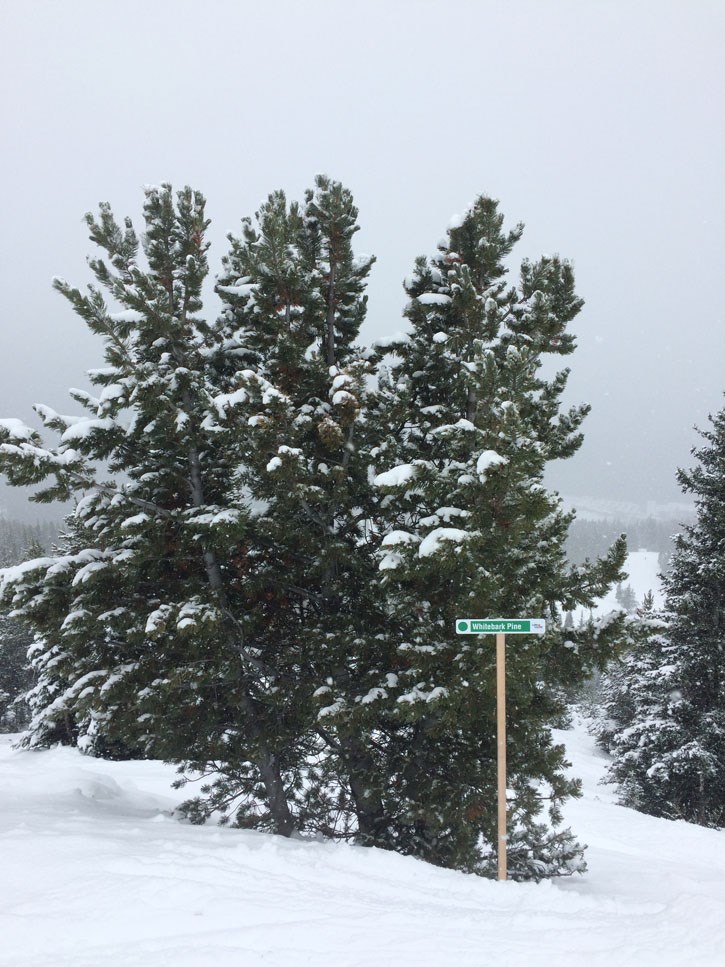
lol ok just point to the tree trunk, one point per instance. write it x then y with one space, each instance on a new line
471 405
373 824
267 761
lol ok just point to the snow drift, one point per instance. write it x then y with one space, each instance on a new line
96 871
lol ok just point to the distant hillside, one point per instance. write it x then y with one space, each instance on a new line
603 509
648 527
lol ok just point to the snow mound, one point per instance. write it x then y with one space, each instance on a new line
96 871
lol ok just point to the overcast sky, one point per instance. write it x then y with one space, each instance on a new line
599 124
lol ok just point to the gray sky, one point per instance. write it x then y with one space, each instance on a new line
598 124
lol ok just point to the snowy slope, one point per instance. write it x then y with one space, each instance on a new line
96 874
642 569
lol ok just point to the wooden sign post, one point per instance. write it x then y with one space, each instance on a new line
501 753
501 627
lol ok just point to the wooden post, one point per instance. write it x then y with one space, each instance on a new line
501 751
501 627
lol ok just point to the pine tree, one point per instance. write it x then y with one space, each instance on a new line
18 542
467 424
666 704
140 648
295 300
264 589
15 678
626 597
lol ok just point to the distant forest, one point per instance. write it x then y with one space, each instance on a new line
19 540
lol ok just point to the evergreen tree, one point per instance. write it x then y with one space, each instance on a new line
626 597
264 590
295 301
15 677
467 424
140 648
665 705
18 542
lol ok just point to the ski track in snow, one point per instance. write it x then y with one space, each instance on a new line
96 873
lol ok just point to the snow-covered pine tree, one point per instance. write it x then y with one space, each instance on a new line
140 644
665 703
18 542
467 424
295 295
15 678
626 597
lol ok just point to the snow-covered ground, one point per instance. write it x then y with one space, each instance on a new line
95 873
642 568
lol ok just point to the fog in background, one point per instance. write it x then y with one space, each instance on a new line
597 124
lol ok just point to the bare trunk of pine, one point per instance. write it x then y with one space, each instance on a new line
369 807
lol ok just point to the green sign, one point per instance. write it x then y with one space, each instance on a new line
500 626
